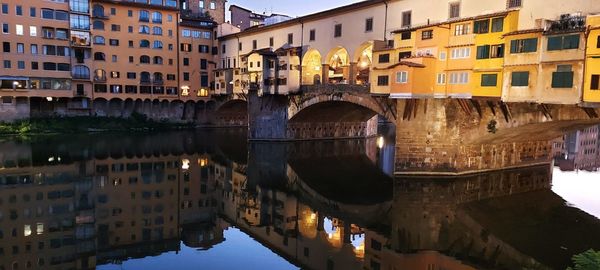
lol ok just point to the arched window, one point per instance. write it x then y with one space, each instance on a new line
156 30
144 59
144 16
144 43
80 72
98 25
99 75
98 56
98 11
99 40
156 17
145 77
158 60
157 44
158 77
144 29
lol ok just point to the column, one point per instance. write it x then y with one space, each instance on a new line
325 74
353 72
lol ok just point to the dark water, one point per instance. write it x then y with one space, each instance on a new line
210 200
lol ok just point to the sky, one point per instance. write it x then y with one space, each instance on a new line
292 8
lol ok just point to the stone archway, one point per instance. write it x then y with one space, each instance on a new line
312 64
232 113
361 64
338 63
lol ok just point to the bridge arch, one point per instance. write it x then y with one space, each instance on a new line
343 102
233 112
312 64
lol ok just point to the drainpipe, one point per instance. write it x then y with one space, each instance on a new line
178 48
586 35
301 52
385 22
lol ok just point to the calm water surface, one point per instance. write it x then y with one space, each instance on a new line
210 200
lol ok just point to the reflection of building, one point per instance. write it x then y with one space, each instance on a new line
579 150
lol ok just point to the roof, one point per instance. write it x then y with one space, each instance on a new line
402 63
526 31
239 7
310 17
479 17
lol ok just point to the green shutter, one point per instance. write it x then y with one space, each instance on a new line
483 52
571 42
514 46
489 80
555 43
530 45
497 25
562 80
520 78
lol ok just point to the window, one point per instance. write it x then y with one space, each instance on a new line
563 77
61 15
20 48
483 52
4 8
144 16
441 78
454 11
144 29
144 59
186 61
21 64
514 3
290 38
7 64
98 25
489 80
34 49
271 42
213 5
6 47
497 25
114 42
523 45
203 49
459 78
369 25
461 53
595 82
186 76
32 12
19 29
115 28
157 44
131 75
313 35
427 34
497 51
80 22
5 28
481 27
33 31
462 29
203 64
98 56
563 42
384 58
144 43
382 80
157 60
406 18
99 40
19 10
186 33
520 78
47 13
402 77
406 35
443 56
156 17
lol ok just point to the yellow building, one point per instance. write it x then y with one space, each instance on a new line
490 52
591 90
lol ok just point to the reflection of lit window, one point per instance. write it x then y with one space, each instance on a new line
116 181
27 230
203 92
185 91
202 162
40 228
185 164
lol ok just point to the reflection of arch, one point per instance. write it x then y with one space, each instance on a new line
311 67
115 107
100 106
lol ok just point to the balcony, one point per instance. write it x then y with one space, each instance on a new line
566 23
145 81
99 78
158 82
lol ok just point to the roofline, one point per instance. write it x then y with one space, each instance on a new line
240 7
310 17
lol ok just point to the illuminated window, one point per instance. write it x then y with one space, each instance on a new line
40 228
27 230
203 92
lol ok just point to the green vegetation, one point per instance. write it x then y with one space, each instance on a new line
589 260
84 124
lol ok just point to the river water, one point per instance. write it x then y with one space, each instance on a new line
211 200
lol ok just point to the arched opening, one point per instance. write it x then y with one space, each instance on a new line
311 67
364 59
100 106
232 113
115 107
338 60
